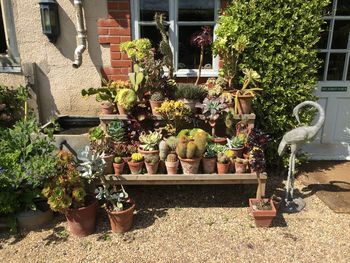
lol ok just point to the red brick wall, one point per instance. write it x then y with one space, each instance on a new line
113 30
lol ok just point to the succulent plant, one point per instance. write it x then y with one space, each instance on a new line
173 110
157 96
210 151
222 158
237 141
126 98
163 150
172 142
118 160
136 157
191 150
96 133
200 139
136 78
257 159
172 157
230 154
181 147
190 91
116 131
115 200
150 141
152 159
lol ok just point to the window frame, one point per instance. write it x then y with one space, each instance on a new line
9 62
174 35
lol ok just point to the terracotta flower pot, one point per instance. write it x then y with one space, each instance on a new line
238 151
122 110
190 166
240 167
143 152
81 221
135 168
244 104
107 108
108 169
118 168
263 218
219 140
172 167
152 168
154 106
209 165
121 221
223 168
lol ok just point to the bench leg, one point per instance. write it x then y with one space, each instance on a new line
261 189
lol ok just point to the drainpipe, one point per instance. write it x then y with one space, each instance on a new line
81 36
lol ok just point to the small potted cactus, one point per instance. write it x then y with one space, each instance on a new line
241 165
156 101
149 143
190 152
118 165
237 144
152 162
223 163
136 163
172 163
209 159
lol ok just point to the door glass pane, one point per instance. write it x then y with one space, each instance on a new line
343 8
322 44
195 10
341 34
149 7
189 55
336 66
322 57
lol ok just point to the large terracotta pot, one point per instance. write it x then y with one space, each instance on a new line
172 167
244 104
209 165
81 221
118 168
143 152
107 108
154 105
263 218
223 168
152 168
135 168
122 110
108 169
190 166
121 221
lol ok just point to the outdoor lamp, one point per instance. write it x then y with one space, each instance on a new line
49 19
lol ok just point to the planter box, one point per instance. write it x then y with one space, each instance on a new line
263 218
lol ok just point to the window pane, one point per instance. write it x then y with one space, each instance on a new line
336 66
322 44
348 75
3 44
194 10
322 57
152 33
328 10
188 54
149 7
343 8
341 34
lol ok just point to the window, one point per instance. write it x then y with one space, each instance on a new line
184 17
335 42
9 56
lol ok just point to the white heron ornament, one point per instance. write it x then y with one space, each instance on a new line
295 139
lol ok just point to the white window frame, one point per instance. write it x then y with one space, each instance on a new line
173 35
9 62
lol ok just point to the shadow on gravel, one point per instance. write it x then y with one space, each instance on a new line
59 234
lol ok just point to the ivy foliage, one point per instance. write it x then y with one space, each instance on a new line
282 37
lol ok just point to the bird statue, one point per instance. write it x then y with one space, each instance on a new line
295 139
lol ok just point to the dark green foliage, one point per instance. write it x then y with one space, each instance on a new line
11 104
116 131
282 38
190 92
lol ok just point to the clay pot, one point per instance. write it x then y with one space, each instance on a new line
118 168
172 167
209 165
108 169
223 168
135 168
219 140
190 166
122 110
81 221
263 218
238 151
143 152
190 103
107 108
121 221
240 167
34 219
152 168
154 105
244 104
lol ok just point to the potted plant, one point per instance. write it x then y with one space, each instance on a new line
136 163
223 163
66 194
190 94
172 163
240 165
118 165
190 152
152 162
209 159
237 144
149 143
156 101
125 99
116 132
119 207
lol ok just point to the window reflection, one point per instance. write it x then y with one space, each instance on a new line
343 8
336 66
341 34
194 10
149 7
322 44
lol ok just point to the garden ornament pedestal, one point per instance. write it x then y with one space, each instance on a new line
295 139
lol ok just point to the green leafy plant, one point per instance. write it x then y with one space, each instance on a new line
11 104
96 133
137 50
126 98
150 141
237 141
116 130
114 200
190 92
136 77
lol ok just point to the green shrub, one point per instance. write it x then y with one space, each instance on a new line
282 37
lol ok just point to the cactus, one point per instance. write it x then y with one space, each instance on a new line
136 78
118 160
191 150
152 159
200 139
222 158
181 148
164 45
157 96
172 142
171 157
136 157
163 150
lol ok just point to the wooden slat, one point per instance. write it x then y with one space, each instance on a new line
111 117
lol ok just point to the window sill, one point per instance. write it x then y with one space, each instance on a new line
14 69
206 73
9 64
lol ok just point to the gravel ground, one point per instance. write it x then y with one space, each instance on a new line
193 224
